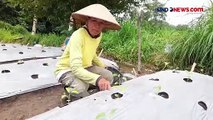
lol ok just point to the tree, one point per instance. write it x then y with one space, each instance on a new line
7 13
150 14
59 14
32 9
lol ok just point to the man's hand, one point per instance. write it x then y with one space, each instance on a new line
104 84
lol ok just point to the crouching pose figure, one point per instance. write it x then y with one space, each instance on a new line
79 65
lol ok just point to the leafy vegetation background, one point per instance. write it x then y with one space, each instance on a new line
163 46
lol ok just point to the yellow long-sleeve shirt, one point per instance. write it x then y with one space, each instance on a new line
79 54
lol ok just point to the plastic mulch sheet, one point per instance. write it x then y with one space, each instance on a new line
25 76
12 52
165 95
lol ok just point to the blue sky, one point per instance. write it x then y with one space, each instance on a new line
176 18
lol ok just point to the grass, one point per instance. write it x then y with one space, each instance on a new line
122 44
197 47
8 36
18 34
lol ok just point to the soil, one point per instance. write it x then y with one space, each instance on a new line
27 105
129 68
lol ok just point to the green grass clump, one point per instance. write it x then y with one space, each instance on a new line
8 36
52 40
120 44
198 47
19 29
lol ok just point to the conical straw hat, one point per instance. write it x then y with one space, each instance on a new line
97 11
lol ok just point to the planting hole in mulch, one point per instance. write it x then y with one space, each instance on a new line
21 53
43 51
45 64
175 71
163 94
154 79
5 71
116 95
187 79
203 105
34 76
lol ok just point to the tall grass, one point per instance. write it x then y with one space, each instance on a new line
122 44
18 34
8 36
198 47
52 40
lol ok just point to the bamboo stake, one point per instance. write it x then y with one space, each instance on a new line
193 67
135 73
139 41
100 53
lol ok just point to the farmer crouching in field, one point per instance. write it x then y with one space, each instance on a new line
79 65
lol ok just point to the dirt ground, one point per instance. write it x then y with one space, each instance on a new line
27 105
